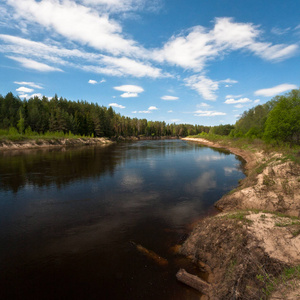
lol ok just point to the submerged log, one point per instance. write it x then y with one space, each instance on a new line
150 254
193 281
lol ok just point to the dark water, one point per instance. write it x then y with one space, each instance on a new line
67 217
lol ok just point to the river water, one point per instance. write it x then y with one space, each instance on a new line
68 217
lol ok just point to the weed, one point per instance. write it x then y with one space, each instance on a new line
268 181
286 188
239 216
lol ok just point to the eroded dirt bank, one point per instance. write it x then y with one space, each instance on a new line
250 245
42 143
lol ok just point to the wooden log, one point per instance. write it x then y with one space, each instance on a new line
193 281
151 254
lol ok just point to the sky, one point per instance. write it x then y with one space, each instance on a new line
180 61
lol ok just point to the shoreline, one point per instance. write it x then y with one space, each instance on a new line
256 236
40 143
71 142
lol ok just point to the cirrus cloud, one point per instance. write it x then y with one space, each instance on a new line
169 98
34 65
278 89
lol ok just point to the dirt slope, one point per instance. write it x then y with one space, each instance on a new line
247 250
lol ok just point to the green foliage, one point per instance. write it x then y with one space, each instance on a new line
283 122
221 129
61 117
21 123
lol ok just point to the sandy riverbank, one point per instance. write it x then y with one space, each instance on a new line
247 246
50 143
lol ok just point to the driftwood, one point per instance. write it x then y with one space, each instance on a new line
150 254
193 281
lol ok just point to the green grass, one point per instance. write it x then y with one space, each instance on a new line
12 134
239 216
290 152
284 282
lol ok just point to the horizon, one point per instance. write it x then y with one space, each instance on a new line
183 62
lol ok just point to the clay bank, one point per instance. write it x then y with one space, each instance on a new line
251 250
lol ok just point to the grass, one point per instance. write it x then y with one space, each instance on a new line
289 152
285 282
12 134
239 216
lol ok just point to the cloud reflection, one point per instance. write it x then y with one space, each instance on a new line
132 180
203 183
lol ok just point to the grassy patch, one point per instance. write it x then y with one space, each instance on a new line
13 135
285 282
268 181
239 216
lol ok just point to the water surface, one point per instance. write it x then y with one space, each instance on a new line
68 216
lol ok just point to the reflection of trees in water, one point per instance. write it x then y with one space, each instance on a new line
43 167
59 166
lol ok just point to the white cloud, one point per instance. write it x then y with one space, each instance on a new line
196 47
39 95
118 6
141 112
57 54
129 95
280 31
102 81
149 111
126 66
203 85
129 88
116 105
239 106
208 113
91 81
34 65
24 89
24 96
257 101
203 105
241 100
233 96
31 84
169 98
273 91
32 96
77 23
170 111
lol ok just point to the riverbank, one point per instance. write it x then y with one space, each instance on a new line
49 143
252 248
6 144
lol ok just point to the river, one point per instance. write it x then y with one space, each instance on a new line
69 216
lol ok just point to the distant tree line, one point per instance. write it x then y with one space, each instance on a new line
81 118
276 120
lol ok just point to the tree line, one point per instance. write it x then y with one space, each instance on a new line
81 118
276 120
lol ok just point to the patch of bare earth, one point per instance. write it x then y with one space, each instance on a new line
43 143
247 252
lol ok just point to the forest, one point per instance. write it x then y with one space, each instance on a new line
276 120
80 118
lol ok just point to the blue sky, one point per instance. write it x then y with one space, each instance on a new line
192 61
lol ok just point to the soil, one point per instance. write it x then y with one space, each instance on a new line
43 143
257 235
